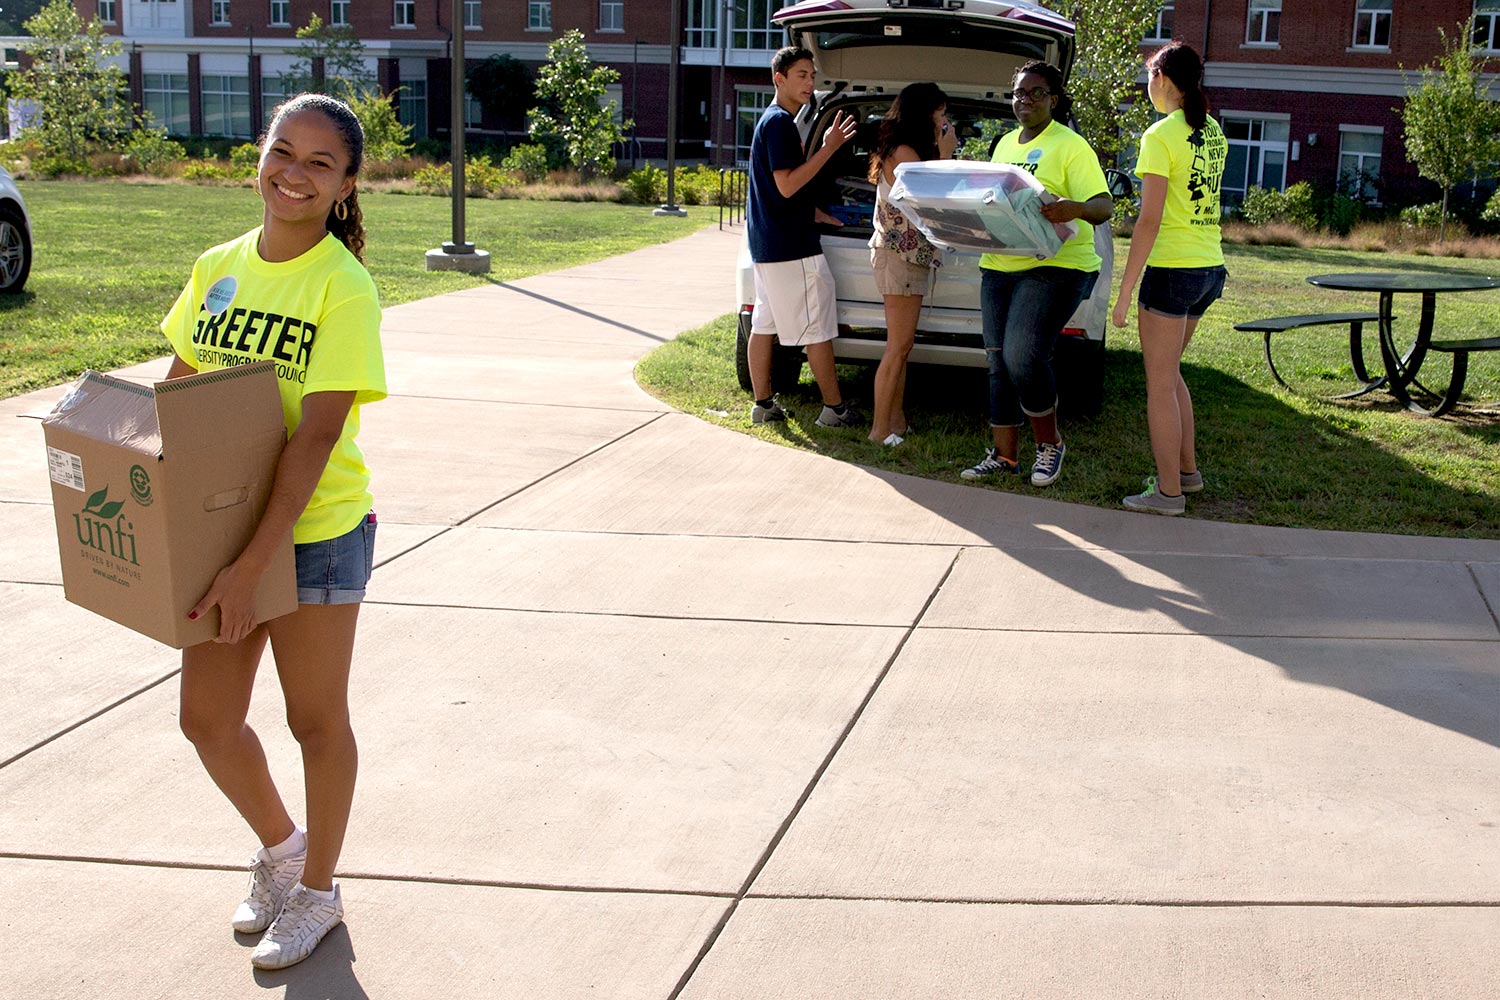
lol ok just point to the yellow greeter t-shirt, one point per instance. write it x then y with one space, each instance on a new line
1065 165
1193 164
318 318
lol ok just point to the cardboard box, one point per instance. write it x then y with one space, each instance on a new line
156 489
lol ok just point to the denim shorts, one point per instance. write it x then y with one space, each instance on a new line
335 571
1181 291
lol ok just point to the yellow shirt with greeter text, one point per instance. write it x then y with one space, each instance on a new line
1192 161
1065 165
317 317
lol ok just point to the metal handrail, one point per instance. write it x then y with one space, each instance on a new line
734 187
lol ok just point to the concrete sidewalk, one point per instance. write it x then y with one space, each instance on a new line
651 709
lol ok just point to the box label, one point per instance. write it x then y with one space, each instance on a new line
65 468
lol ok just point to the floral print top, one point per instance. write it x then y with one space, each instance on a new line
894 232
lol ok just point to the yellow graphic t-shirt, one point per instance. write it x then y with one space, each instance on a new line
1193 164
318 318
1066 166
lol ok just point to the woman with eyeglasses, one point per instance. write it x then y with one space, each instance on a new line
1025 302
1176 244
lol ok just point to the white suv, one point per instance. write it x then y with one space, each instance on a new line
865 52
15 236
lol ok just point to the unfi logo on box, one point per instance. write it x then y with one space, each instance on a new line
103 527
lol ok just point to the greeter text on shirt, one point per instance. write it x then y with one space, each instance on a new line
255 334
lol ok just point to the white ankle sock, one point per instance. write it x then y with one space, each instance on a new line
326 895
295 844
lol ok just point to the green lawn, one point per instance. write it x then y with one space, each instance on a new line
1270 457
111 257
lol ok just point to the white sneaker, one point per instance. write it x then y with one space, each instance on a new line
270 881
303 921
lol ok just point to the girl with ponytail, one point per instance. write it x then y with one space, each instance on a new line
1176 257
293 291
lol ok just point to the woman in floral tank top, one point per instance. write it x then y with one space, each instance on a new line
916 128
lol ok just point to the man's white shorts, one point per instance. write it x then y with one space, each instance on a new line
795 300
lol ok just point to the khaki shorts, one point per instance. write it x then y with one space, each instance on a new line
895 275
796 301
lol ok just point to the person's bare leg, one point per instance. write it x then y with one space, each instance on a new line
820 360
313 649
1162 339
761 347
901 314
1007 441
1188 453
1045 428
215 698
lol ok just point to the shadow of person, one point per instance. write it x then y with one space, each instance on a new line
326 974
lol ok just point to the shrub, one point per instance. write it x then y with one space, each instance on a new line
244 160
151 152
205 170
529 162
1294 206
1491 211
1427 216
1342 213
399 168
434 178
648 185
482 177
386 138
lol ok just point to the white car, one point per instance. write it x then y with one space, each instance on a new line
865 51
15 236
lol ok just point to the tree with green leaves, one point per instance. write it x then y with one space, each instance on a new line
579 115
386 136
1452 127
15 13
79 91
1108 103
330 61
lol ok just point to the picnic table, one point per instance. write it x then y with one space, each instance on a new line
1402 369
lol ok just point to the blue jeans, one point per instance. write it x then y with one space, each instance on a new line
335 571
1022 315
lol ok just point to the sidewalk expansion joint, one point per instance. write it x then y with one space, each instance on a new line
812 784
641 614
1483 597
529 402
1184 633
91 717
1387 904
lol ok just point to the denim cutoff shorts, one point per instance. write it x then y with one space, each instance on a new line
336 570
1181 291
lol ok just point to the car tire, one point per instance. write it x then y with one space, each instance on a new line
15 250
1080 376
786 362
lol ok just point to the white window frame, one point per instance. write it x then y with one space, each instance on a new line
218 13
1161 31
222 99
749 104
404 14
1373 194
538 15
1267 29
612 15
1368 15
107 12
284 9
473 15
338 13
1256 146
702 28
272 92
754 32
1487 25
167 86
411 107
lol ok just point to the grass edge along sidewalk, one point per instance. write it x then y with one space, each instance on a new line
111 257
1270 457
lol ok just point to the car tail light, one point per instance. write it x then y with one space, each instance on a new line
1074 331
751 308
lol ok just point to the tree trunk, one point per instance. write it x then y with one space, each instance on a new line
1443 218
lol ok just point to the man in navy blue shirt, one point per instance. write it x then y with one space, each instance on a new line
795 300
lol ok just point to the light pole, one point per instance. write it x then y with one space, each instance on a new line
458 254
671 208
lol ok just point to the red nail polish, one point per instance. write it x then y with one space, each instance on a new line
192 616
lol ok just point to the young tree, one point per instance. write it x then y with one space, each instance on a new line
579 115
1452 128
73 82
386 136
329 61
1108 103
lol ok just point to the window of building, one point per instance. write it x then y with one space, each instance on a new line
338 13
1257 155
273 91
1372 24
703 24
1264 26
750 104
539 15
281 13
1359 161
750 25
1162 30
472 16
614 99
1487 25
107 11
411 107
226 105
165 96
405 14
611 15
218 13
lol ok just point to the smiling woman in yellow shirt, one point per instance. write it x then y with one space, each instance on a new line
1176 243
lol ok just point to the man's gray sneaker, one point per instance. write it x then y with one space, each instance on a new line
1192 482
1048 465
270 881
1152 502
767 414
833 418
991 465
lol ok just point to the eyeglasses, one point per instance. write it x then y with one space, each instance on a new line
1034 94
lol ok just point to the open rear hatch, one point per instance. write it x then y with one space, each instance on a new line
968 47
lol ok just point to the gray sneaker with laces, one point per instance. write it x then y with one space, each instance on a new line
270 881
1048 465
991 465
767 414
1192 482
833 418
1152 502
302 923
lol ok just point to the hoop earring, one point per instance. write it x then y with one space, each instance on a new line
341 211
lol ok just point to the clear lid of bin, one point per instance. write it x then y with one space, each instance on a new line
979 207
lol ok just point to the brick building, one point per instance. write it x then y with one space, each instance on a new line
1307 89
